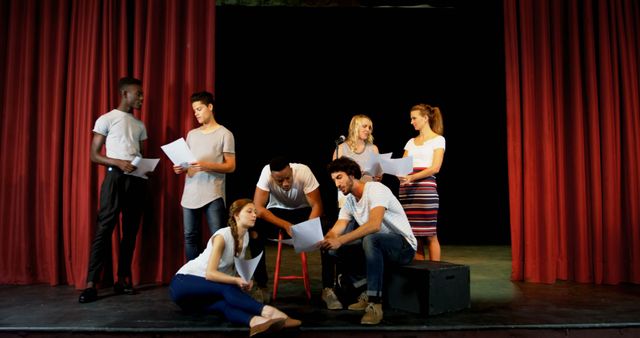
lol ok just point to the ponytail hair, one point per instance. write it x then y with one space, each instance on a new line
434 116
234 210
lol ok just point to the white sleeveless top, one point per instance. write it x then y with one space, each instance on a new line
198 265
367 159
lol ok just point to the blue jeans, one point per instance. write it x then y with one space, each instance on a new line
367 258
196 294
214 212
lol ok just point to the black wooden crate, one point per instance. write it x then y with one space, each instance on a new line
428 287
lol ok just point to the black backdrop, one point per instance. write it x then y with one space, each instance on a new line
288 81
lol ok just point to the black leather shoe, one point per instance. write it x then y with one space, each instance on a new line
88 295
123 288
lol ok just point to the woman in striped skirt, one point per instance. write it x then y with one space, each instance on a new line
418 190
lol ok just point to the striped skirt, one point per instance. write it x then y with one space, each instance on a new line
420 202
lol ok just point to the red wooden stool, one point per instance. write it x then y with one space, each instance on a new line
277 277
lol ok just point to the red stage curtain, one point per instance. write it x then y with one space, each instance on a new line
61 61
573 119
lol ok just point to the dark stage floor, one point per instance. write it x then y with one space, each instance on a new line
499 308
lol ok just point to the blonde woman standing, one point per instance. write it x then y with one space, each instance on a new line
359 147
418 190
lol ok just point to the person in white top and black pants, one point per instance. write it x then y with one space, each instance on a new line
122 134
286 194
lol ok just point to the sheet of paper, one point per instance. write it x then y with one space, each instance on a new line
386 156
246 267
397 166
143 166
306 235
179 153
376 168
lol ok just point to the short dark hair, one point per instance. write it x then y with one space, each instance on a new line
278 163
346 165
204 97
126 81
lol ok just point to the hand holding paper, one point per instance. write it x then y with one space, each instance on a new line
246 267
307 235
143 166
179 153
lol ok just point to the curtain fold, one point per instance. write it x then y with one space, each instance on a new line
62 60
573 137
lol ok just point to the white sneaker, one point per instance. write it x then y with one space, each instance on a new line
329 297
363 301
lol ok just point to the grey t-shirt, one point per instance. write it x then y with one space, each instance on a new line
123 134
205 187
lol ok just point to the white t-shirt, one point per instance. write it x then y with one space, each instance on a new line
198 265
205 187
423 155
302 183
376 194
124 133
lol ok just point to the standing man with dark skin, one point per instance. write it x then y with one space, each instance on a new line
122 134
286 194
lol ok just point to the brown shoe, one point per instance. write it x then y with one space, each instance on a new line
261 295
373 314
270 325
330 298
363 301
290 322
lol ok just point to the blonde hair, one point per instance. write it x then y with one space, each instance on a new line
234 210
434 116
354 126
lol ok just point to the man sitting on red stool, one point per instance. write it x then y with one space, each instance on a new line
291 191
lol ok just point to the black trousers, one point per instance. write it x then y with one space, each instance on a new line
265 231
124 194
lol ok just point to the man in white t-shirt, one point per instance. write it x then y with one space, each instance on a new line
383 236
286 194
121 134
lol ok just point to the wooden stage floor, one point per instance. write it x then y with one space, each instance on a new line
499 308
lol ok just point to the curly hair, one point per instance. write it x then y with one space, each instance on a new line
345 164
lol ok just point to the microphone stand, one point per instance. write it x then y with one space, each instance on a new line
338 142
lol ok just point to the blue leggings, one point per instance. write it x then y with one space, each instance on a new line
194 293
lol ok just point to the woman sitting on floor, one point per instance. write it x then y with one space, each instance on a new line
210 282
